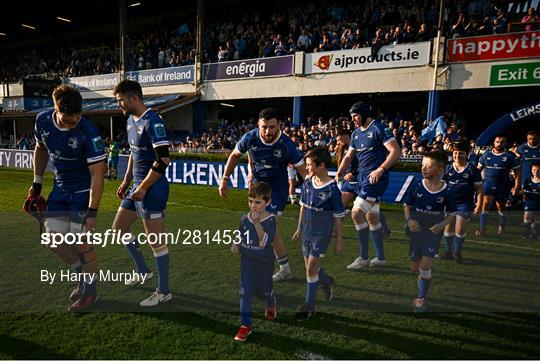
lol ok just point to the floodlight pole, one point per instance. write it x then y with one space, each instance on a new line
198 45
123 50
438 44
433 100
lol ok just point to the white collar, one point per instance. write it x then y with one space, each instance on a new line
275 140
63 129
142 115
321 186
440 190
366 128
463 170
262 220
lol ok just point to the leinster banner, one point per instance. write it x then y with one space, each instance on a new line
252 68
391 56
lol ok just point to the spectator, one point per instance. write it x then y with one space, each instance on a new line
531 19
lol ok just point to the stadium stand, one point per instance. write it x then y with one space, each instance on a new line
252 33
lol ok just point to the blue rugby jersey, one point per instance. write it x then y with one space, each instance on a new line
429 208
497 167
321 205
70 150
370 146
462 184
251 245
270 160
531 191
529 155
144 135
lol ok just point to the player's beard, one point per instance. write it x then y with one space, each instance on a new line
270 139
126 111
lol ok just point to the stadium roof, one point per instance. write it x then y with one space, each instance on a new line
44 16
109 106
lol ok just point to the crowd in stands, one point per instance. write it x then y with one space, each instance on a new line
317 131
146 50
233 33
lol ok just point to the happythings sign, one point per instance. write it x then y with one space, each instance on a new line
494 47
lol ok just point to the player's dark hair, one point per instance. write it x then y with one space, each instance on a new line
260 189
535 164
500 136
68 99
532 132
344 132
462 146
438 156
320 155
128 88
268 113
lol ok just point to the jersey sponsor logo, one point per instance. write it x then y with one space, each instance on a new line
98 144
73 142
440 199
277 153
139 130
504 159
44 134
159 129
323 195
370 135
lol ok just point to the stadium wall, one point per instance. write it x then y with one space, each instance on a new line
207 173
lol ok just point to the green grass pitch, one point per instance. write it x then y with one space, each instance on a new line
487 308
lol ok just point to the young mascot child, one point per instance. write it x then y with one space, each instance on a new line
321 209
257 231
428 208
531 199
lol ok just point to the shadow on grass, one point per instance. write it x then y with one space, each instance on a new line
27 350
